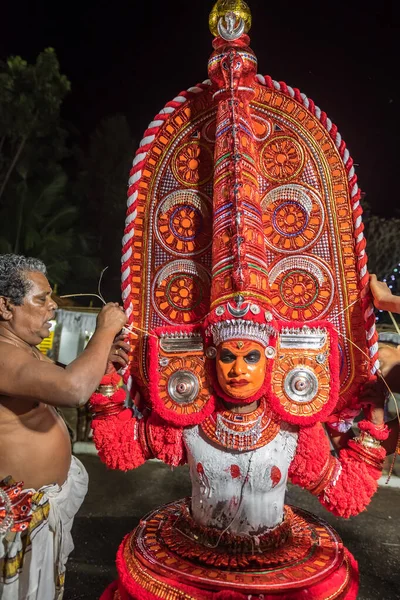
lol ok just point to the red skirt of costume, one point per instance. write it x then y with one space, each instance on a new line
169 556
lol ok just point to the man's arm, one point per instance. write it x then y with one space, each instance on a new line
392 443
383 297
26 377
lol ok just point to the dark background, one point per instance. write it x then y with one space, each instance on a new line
132 58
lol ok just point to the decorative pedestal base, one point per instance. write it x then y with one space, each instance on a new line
164 559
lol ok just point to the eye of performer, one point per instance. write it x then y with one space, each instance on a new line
252 357
227 356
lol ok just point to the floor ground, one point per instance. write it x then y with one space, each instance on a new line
116 501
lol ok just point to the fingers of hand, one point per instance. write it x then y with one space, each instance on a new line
124 345
123 355
119 355
119 314
120 336
119 360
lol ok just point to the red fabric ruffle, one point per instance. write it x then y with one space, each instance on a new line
116 441
355 486
353 490
318 591
166 441
312 453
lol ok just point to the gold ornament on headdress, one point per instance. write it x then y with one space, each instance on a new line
223 7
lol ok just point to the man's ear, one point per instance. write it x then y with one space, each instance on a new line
6 309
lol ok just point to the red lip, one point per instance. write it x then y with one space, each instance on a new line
238 382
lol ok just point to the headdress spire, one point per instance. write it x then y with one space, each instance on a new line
239 288
230 16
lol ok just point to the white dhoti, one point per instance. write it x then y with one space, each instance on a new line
33 563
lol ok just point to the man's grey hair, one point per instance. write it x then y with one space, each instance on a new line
13 281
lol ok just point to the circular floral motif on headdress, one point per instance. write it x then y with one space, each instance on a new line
301 373
192 163
293 218
282 158
183 385
181 292
183 222
301 288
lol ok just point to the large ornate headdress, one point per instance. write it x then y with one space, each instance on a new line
244 221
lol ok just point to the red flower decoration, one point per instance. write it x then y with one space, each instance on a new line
235 471
276 476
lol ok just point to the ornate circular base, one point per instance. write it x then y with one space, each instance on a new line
311 558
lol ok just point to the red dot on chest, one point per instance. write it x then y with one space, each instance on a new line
276 476
235 471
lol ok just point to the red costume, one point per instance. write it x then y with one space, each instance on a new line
244 225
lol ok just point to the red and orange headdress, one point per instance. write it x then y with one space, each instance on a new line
244 221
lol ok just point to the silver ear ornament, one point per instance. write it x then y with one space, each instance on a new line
211 352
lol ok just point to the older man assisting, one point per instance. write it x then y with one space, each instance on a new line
41 485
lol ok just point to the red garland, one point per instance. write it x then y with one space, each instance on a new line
312 454
354 488
166 441
116 443
111 379
170 416
379 433
334 378
357 482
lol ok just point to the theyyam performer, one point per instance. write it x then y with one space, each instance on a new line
244 277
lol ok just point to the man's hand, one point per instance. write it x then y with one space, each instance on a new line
389 357
111 317
23 376
382 296
118 356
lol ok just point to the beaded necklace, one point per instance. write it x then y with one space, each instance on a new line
242 432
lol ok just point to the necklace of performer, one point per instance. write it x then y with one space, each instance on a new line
242 432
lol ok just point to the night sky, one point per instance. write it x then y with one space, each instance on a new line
132 58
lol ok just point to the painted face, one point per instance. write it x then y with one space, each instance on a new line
240 368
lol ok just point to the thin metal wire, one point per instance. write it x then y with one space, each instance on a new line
245 479
99 284
394 322
78 295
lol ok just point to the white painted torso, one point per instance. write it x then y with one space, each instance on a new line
244 491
